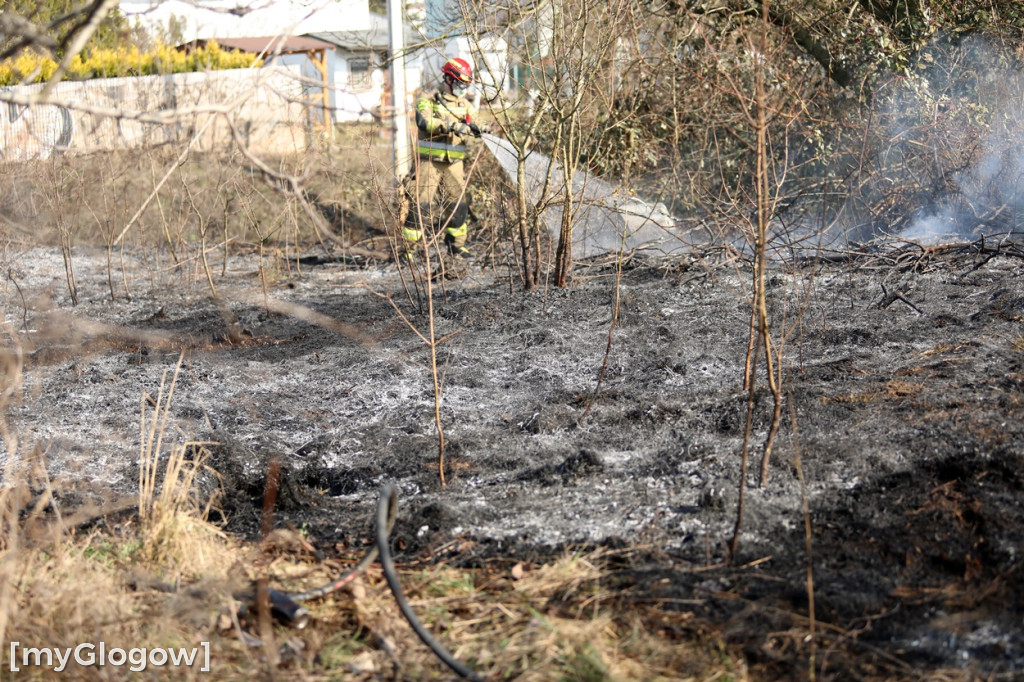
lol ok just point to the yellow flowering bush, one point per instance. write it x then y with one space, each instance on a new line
125 61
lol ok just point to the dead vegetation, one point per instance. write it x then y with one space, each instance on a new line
588 615
886 144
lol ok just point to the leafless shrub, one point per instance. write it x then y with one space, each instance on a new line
559 111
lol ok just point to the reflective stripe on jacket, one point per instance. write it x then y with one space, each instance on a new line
435 118
440 151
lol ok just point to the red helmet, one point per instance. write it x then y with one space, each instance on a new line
458 69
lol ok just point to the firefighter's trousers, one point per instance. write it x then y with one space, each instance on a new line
447 182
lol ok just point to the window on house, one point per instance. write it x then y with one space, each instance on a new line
359 73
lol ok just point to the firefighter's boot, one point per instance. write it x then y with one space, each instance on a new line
412 231
456 231
455 240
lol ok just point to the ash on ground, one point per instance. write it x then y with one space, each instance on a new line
903 375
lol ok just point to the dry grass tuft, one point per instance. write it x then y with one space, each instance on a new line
894 389
174 532
564 577
67 594
60 588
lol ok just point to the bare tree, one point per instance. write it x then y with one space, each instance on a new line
568 56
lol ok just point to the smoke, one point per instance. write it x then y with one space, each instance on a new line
930 227
987 198
942 160
957 130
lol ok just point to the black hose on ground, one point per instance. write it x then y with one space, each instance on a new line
348 576
286 606
387 508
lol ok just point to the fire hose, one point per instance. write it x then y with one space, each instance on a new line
286 607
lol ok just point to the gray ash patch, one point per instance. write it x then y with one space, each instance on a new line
909 422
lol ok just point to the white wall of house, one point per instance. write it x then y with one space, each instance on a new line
210 19
358 85
356 102
361 74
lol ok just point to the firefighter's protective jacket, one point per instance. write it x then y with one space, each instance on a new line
443 124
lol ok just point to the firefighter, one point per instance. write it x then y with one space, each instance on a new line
443 122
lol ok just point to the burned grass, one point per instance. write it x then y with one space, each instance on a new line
582 531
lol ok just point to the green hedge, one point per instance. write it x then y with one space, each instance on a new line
113 63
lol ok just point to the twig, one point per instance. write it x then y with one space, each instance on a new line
808 543
611 331
76 41
432 342
180 160
888 298
307 314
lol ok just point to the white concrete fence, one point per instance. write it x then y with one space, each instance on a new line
272 108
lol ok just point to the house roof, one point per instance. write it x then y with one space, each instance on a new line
374 38
274 44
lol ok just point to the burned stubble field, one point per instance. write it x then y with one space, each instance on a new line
903 381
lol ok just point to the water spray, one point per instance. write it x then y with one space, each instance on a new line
606 217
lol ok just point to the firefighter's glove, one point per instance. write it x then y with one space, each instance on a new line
476 130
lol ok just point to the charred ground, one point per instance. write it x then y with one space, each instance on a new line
904 370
